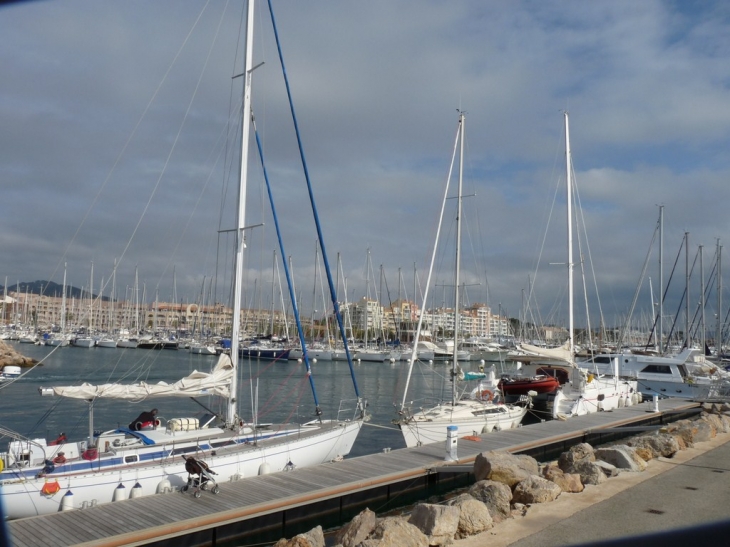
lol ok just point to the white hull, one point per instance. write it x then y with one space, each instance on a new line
318 354
597 395
686 375
83 342
308 445
106 343
57 342
126 343
376 356
431 426
203 350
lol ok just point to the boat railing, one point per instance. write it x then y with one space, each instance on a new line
351 409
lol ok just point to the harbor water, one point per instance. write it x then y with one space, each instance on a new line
274 391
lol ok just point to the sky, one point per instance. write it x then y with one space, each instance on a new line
118 143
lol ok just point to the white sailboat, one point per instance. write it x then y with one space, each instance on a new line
584 392
39 477
467 413
60 339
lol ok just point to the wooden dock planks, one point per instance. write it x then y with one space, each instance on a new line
168 515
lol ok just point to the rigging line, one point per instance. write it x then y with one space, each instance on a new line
590 257
300 330
666 290
434 252
129 140
332 288
174 147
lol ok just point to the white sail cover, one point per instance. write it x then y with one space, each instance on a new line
195 384
563 352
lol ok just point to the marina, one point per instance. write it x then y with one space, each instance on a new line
242 410
266 508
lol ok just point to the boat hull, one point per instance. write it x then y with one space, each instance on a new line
422 429
26 495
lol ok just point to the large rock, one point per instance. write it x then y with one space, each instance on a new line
9 356
589 472
395 532
568 482
474 516
535 489
495 495
504 467
313 538
717 422
358 529
438 522
622 457
660 444
706 430
578 453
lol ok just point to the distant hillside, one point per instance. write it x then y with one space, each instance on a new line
47 288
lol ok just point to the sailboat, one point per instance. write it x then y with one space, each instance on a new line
470 412
582 392
60 339
149 457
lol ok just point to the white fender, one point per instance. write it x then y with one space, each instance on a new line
136 491
264 469
164 486
120 493
67 501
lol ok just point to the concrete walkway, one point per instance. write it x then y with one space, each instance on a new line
682 500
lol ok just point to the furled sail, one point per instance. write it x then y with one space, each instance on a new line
195 384
563 352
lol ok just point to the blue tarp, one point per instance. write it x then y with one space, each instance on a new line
138 434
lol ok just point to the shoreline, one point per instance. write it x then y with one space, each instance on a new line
541 516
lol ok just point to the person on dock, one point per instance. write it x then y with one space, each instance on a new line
146 420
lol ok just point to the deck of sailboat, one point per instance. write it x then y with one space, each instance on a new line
182 519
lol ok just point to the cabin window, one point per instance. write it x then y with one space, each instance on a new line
657 369
134 458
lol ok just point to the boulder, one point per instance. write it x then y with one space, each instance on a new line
535 489
608 469
706 430
579 452
589 472
313 538
504 467
395 532
495 495
568 482
474 516
438 522
661 444
621 456
358 529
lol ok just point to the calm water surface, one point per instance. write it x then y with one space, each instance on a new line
282 390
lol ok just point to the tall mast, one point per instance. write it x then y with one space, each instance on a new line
702 297
686 285
457 279
661 280
241 217
63 302
718 331
569 181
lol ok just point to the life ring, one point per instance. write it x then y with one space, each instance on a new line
486 395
